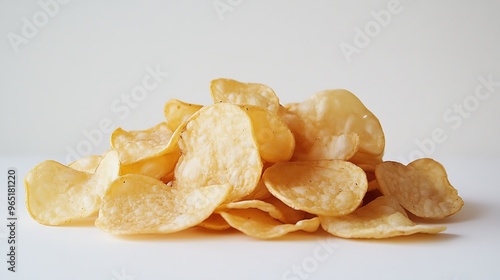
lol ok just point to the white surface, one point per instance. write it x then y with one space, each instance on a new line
75 72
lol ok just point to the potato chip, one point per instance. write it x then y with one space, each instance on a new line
86 164
218 147
422 187
137 204
259 224
253 204
373 185
235 92
381 218
215 222
334 113
260 192
275 140
57 194
329 188
177 112
289 215
155 167
137 145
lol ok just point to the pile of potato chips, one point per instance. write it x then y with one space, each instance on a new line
247 162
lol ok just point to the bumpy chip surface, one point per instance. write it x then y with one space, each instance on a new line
336 112
177 112
276 141
232 91
218 147
137 204
381 218
259 224
422 187
57 194
329 188
137 145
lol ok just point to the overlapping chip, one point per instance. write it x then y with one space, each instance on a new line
249 163
422 187
57 194
381 218
328 187
217 149
136 204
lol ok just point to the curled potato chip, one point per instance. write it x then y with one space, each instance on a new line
57 194
86 164
253 204
275 140
218 147
289 215
137 145
381 218
422 187
259 224
235 92
215 222
137 204
334 113
330 188
156 167
177 112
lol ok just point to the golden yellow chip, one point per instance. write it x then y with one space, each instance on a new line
137 204
218 147
235 92
422 187
156 167
177 112
57 194
270 209
260 192
329 188
86 164
334 113
289 215
137 145
275 140
381 218
259 224
215 222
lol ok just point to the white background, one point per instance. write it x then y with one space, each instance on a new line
61 82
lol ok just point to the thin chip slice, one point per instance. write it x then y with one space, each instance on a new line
57 194
422 187
155 167
134 146
381 218
329 188
259 224
177 112
290 215
137 204
275 140
336 112
86 164
235 92
260 192
270 209
215 222
218 147
330 147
